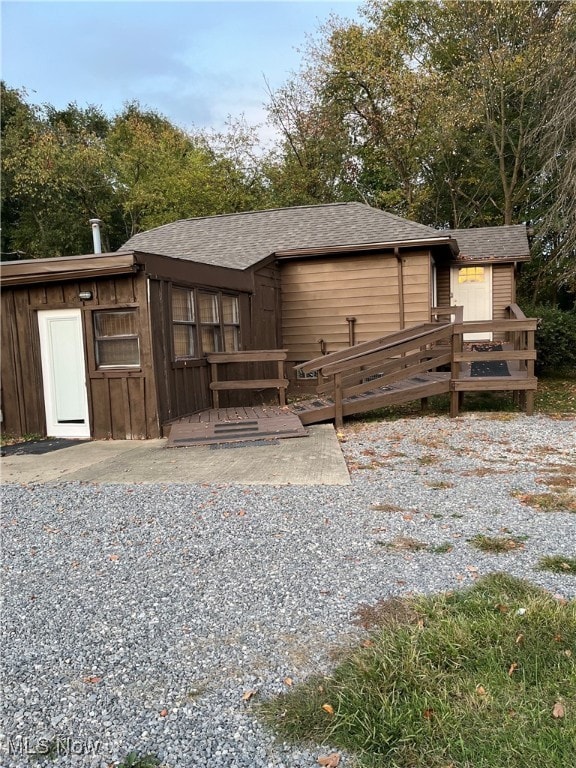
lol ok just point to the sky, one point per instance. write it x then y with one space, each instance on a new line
196 63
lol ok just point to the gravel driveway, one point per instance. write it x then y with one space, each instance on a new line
151 618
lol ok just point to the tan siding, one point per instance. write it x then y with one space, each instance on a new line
416 269
318 295
502 289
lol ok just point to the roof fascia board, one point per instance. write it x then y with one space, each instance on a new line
191 272
478 260
66 268
444 241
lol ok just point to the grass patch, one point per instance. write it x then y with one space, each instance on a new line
496 544
8 439
556 395
134 760
464 679
557 564
386 508
404 543
548 502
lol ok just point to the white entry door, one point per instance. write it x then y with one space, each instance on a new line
471 288
64 373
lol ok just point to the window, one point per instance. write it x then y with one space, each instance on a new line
210 329
471 275
184 323
116 339
231 323
204 322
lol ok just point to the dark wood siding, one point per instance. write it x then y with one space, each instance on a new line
265 310
443 297
122 403
183 386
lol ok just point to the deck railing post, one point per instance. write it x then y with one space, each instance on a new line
281 390
457 345
338 414
214 379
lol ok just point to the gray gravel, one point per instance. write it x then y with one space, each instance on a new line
138 616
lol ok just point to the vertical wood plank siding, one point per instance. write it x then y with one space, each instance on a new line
319 294
183 387
122 403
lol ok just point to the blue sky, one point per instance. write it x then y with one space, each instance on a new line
195 62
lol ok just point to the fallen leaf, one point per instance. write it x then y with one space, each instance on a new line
328 708
520 639
242 513
330 761
558 710
247 695
428 713
92 679
513 668
480 690
114 558
288 681
367 643
163 712
568 652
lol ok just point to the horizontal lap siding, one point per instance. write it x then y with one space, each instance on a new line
417 288
318 295
502 289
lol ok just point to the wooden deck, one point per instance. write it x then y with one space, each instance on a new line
415 363
235 425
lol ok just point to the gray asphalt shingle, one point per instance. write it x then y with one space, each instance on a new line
507 242
239 240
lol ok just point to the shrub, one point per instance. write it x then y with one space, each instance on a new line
555 339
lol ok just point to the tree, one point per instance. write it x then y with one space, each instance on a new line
56 170
440 102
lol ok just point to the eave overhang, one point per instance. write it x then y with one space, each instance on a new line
444 242
85 267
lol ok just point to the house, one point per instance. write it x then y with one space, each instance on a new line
114 345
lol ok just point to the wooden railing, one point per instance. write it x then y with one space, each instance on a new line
380 362
217 385
427 347
517 332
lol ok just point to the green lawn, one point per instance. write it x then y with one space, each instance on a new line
481 678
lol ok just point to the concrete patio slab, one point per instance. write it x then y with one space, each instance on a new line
313 460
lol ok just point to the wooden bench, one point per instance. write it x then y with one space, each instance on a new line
251 356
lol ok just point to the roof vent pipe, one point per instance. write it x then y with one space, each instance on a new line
96 235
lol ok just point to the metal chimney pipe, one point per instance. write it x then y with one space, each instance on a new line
96 235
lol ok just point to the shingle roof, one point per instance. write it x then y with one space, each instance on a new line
508 242
240 240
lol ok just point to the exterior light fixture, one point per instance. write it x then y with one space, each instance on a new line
85 295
